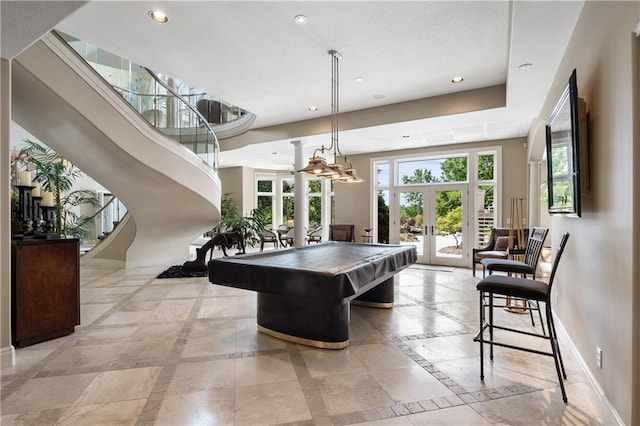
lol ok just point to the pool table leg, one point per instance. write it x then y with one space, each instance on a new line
314 323
381 296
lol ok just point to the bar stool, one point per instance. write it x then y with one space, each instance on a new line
505 286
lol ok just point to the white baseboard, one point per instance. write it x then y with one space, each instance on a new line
8 357
605 408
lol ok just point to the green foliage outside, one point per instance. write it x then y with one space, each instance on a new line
383 219
448 203
315 212
265 206
451 224
562 184
288 202
315 204
265 202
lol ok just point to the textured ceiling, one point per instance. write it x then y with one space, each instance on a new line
253 54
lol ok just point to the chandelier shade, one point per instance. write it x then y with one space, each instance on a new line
317 164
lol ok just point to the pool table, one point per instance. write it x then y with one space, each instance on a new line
304 293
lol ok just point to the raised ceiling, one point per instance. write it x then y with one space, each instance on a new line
254 55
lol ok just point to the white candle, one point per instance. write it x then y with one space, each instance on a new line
24 178
47 199
35 192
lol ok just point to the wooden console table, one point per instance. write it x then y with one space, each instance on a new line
45 289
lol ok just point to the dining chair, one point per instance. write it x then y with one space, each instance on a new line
315 235
504 286
290 237
268 236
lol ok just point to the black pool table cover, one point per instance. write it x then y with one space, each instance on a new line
333 271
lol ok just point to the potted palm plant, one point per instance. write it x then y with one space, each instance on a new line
57 175
251 226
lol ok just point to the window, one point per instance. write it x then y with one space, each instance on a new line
288 201
314 195
265 201
381 202
382 224
485 197
395 175
452 169
275 197
383 173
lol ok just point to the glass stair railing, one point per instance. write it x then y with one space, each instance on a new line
171 106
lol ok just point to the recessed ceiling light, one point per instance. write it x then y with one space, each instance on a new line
359 79
300 19
313 108
379 96
525 66
158 16
457 80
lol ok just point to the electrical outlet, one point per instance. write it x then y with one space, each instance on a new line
599 357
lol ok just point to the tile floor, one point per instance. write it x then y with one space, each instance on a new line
186 352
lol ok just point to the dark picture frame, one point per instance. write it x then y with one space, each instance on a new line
564 129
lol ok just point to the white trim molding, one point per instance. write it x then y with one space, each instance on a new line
599 398
7 357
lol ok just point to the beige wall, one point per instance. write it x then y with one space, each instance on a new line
596 278
353 200
231 179
239 182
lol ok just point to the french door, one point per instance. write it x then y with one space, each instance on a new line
434 219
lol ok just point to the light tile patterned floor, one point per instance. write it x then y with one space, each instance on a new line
186 352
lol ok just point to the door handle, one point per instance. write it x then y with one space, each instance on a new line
431 230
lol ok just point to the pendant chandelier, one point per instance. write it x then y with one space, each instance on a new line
339 172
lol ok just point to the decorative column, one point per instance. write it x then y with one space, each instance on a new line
534 193
300 198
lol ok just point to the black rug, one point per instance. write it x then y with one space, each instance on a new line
178 271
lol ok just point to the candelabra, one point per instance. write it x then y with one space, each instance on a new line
35 215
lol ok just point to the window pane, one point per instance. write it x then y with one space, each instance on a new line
315 186
452 169
485 215
287 211
485 166
265 186
484 198
383 174
383 216
333 208
288 186
265 207
315 212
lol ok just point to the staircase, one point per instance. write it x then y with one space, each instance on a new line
172 196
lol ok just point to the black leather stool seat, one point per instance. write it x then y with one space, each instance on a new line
506 265
514 287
